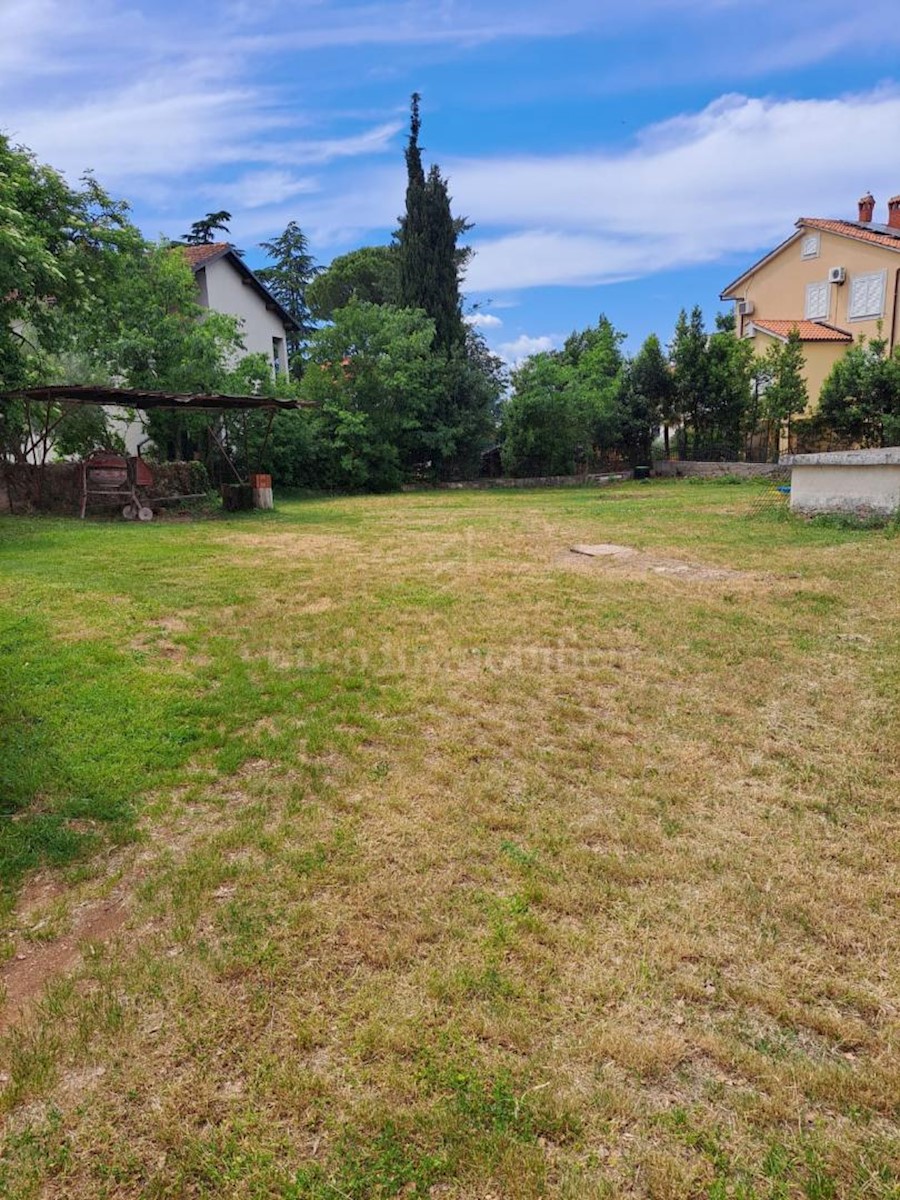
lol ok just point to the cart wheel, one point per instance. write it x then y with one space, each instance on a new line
144 513
129 512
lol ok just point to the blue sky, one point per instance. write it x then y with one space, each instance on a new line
625 159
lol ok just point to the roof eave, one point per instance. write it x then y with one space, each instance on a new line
232 255
810 222
845 338
727 293
287 320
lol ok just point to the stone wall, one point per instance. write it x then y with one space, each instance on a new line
676 468
538 481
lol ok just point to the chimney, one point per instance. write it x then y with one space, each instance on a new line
894 212
866 208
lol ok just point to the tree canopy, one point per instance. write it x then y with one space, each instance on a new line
58 246
369 274
373 375
574 408
712 376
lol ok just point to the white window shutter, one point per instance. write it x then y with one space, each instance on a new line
867 295
816 301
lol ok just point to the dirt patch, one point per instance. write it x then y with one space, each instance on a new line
36 895
172 624
637 560
157 638
25 976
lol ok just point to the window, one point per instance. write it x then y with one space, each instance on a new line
809 247
866 296
816 301
277 352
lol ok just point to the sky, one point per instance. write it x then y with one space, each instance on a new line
624 159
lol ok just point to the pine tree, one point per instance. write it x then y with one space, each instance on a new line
292 271
201 232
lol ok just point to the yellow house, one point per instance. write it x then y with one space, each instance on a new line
833 280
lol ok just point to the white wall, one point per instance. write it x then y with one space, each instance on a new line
851 481
129 425
223 289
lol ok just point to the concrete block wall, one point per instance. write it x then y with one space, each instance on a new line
855 482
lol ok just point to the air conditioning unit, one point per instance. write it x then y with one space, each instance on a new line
837 274
745 308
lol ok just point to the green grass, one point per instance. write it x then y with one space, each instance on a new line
90 724
452 864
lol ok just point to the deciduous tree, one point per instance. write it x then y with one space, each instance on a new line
373 375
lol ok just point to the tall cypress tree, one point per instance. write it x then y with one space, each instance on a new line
430 262
429 267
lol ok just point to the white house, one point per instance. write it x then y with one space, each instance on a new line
226 284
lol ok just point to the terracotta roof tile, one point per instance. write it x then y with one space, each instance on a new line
810 331
854 230
197 255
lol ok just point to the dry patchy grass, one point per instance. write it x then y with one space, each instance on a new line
487 876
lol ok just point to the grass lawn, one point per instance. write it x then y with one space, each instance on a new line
383 847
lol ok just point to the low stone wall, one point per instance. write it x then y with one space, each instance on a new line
57 489
539 481
855 482
672 468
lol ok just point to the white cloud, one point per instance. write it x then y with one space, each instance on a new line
372 141
544 257
156 127
165 127
727 180
101 85
445 22
514 353
258 189
483 320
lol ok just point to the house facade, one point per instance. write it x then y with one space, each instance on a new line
226 284
833 280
